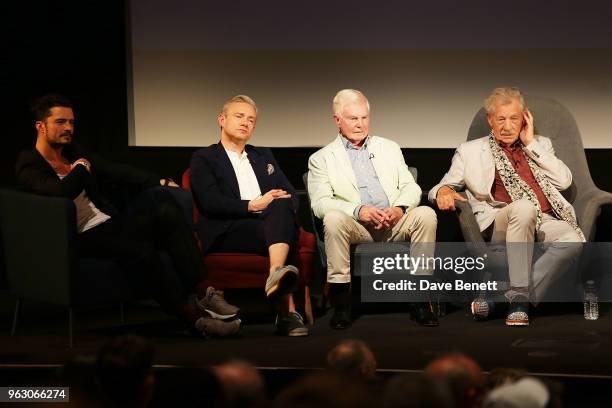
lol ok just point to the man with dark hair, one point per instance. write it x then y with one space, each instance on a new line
248 205
123 372
132 238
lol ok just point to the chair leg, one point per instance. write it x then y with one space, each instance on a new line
122 313
70 323
16 316
308 306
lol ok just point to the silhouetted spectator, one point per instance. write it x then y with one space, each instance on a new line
325 390
123 372
463 376
502 376
79 374
243 385
406 391
353 358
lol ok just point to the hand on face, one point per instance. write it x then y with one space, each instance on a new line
526 134
509 121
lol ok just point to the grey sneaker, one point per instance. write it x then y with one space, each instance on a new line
209 327
291 325
283 280
215 305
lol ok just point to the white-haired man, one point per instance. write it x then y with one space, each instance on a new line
512 179
361 188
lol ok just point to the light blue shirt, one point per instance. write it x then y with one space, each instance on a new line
370 189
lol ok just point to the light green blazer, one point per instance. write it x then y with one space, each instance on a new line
331 180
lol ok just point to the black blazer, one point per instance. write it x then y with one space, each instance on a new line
215 187
35 174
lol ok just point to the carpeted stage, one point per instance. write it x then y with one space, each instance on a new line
559 344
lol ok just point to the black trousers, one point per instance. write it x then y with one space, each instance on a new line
153 222
254 234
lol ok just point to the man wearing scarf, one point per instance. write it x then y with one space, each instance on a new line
513 181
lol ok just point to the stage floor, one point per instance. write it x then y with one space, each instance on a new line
556 343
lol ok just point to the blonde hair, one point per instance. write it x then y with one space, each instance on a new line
346 96
237 99
505 95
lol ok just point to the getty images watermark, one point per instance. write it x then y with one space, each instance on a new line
459 271
425 266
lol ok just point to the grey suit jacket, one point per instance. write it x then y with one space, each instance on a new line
473 168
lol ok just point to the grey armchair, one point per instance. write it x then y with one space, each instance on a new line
554 121
43 263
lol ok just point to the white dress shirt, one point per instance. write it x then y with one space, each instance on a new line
247 181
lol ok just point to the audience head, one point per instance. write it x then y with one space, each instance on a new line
124 371
242 384
353 358
237 120
78 373
505 107
406 391
527 392
463 376
325 390
352 115
502 376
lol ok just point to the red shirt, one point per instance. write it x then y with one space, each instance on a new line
517 157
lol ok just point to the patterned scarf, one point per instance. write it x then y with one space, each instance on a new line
518 188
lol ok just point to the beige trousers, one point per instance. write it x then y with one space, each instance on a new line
341 230
516 223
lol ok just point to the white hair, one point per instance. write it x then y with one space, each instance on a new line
505 95
345 97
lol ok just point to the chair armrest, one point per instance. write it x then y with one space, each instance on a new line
306 250
467 221
588 208
39 235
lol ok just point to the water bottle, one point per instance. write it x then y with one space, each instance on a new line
591 308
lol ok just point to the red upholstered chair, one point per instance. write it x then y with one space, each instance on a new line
234 270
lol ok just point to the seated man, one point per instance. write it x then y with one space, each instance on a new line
246 205
57 167
361 188
513 181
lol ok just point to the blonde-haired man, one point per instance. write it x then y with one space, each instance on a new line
248 205
361 188
513 181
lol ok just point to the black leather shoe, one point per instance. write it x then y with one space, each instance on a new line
341 319
425 314
341 300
